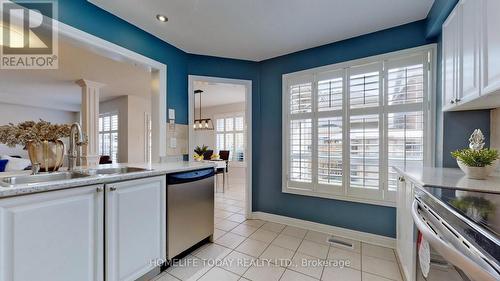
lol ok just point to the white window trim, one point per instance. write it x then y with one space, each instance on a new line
388 198
232 115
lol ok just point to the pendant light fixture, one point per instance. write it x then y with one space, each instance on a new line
201 124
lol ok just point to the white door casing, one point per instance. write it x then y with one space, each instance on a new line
248 119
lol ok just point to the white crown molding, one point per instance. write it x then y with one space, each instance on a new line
370 238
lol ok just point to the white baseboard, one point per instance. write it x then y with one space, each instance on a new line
338 231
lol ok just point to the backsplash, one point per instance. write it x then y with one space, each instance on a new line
177 140
457 128
495 128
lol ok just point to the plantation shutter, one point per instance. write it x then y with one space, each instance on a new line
300 133
365 130
329 131
365 86
405 142
239 139
330 91
346 126
108 135
330 163
230 135
364 152
405 118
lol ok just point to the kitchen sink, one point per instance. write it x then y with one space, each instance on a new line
40 178
116 171
60 176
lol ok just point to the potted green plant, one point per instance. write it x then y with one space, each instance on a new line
199 152
476 162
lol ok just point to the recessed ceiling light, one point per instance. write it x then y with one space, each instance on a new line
161 18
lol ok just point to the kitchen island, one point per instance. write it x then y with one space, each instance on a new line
110 224
151 169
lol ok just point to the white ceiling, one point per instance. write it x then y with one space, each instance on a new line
262 29
215 94
57 89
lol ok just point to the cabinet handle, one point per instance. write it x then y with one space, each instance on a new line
452 101
458 100
99 189
401 179
112 188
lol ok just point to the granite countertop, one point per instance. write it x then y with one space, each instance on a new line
154 169
450 178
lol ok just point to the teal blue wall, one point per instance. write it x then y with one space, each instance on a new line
266 104
437 15
267 195
91 19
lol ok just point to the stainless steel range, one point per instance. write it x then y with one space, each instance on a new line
458 234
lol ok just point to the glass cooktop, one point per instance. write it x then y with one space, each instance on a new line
479 207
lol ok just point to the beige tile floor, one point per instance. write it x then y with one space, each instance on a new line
264 251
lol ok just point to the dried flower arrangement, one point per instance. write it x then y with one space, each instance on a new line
27 131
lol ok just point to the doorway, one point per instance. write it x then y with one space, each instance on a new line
222 121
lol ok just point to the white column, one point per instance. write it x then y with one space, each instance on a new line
90 118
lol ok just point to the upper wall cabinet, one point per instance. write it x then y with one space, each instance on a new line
471 56
450 59
491 45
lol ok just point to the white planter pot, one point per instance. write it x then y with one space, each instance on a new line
477 173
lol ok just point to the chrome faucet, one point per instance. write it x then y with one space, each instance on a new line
75 141
35 169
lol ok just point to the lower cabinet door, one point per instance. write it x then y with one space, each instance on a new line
52 236
405 229
135 224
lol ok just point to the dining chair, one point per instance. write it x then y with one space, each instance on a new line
207 155
224 155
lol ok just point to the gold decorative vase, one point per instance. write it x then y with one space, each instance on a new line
49 154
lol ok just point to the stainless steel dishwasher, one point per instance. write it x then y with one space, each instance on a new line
190 209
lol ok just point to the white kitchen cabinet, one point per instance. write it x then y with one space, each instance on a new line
406 247
469 40
53 236
450 59
490 12
471 56
135 227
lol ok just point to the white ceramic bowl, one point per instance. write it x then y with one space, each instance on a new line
477 173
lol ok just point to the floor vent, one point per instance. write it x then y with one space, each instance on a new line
338 242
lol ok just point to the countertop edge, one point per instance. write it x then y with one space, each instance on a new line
406 174
158 169
453 178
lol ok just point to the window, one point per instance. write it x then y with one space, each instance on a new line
346 125
230 135
108 135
